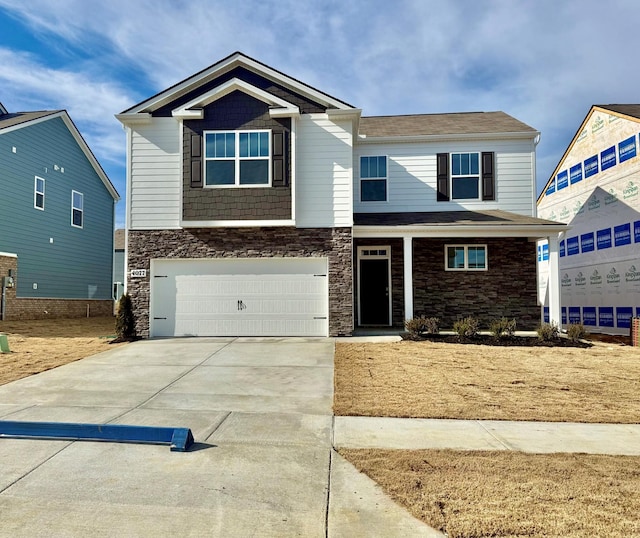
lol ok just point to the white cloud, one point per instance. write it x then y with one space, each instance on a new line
543 61
29 85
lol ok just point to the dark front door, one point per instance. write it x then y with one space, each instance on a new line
374 292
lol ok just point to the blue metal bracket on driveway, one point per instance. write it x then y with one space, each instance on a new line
180 439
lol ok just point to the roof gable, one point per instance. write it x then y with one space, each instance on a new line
628 112
236 65
21 120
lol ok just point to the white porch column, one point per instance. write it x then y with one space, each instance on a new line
555 315
408 277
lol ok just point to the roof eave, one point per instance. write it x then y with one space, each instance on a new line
220 68
453 230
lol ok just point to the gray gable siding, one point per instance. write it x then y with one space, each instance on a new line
234 111
78 263
306 105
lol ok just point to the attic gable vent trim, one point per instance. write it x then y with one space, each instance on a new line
278 107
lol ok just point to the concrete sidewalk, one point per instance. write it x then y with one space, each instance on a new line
534 437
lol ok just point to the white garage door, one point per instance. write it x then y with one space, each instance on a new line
239 297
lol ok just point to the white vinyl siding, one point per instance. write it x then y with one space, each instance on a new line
324 172
156 162
411 173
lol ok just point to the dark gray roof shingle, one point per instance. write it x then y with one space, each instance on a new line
16 118
448 218
442 124
627 110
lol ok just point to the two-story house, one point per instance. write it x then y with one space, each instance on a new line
595 190
56 220
259 205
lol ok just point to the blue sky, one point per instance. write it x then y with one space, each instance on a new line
543 61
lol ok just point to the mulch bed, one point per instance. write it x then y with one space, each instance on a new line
490 340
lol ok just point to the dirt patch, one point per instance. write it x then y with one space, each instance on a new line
40 345
498 494
440 380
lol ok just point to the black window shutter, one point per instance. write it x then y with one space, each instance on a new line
196 161
279 159
443 177
488 176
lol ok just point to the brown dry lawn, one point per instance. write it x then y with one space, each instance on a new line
499 494
510 494
439 380
40 345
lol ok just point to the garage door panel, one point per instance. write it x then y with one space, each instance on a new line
197 306
200 300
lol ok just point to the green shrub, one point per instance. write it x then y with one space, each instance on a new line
125 322
421 325
548 331
503 327
466 327
576 331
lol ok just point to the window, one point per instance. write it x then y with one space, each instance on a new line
465 176
38 195
237 158
77 211
466 257
373 179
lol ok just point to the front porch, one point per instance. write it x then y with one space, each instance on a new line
403 267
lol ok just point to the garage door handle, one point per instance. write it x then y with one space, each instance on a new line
159 318
319 317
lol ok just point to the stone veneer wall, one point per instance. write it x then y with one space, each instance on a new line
333 243
397 276
508 288
24 308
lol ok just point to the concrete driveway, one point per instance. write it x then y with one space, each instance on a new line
263 465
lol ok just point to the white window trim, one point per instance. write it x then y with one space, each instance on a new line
73 208
386 180
36 192
466 258
451 176
236 159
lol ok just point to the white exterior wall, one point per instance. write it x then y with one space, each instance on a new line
411 169
603 278
156 162
324 164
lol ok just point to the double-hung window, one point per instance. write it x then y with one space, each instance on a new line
465 176
373 179
237 158
38 194
466 257
77 209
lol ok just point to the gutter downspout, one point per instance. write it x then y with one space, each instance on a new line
3 300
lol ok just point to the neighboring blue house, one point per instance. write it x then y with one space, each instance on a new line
56 219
